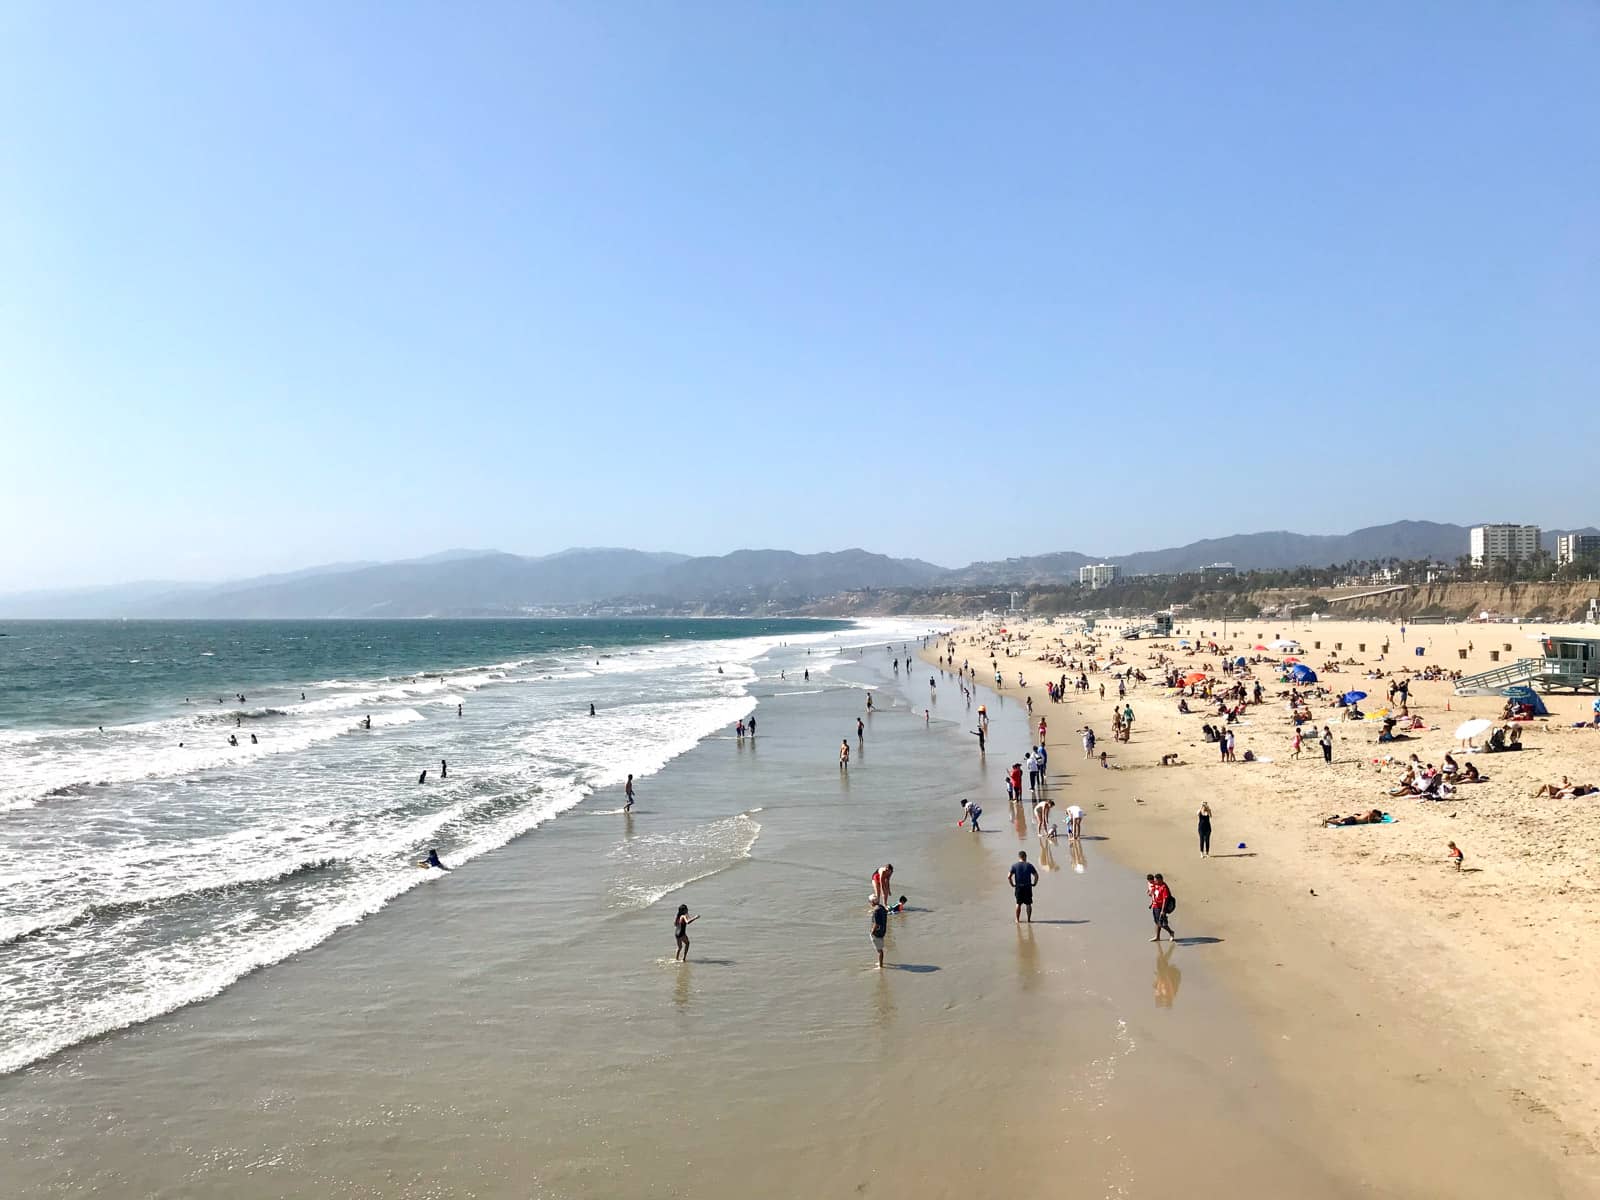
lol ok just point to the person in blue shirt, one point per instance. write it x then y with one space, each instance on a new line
1023 876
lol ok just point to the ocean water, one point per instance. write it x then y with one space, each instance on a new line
518 1027
146 862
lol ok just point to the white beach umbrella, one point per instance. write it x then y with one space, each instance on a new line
1468 730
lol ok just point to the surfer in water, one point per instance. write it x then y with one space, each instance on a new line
423 778
432 861
366 722
444 769
591 708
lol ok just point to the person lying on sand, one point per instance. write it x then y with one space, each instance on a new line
1568 790
1371 817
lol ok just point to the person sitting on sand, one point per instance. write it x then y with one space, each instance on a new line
1450 767
1183 705
1470 774
1171 760
1551 789
1407 785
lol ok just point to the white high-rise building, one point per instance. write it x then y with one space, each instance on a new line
1098 575
1503 543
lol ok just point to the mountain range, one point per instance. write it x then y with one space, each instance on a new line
491 583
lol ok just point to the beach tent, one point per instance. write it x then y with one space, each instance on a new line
1521 694
1284 644
1239 662
1303 673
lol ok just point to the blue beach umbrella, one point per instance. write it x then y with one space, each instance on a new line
1302 673
1352 697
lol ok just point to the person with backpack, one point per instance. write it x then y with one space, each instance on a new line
1162 902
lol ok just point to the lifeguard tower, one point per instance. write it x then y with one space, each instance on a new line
1565 664
1158 626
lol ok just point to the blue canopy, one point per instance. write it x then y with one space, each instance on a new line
1301 673
1521 694
1239 662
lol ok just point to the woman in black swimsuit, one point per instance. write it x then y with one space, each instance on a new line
680 928
1205 830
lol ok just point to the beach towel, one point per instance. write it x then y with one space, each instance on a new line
1388 819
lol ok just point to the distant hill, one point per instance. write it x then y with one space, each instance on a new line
490 583
1247 551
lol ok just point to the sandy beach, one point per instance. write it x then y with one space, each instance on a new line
1434 1024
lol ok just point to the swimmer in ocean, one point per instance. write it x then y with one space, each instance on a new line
423 778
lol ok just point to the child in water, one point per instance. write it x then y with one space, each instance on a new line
970 812
680 929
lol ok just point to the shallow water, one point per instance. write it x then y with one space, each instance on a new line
518 1029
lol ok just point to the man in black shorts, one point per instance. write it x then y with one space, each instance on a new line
1023 876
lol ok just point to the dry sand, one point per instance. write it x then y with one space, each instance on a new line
1439 1026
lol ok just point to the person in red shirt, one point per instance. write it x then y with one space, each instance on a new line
1016 780
1160 893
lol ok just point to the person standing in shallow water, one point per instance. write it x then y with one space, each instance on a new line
880 928
844 754
1023 875
680 930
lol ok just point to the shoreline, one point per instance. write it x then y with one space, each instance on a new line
1367 996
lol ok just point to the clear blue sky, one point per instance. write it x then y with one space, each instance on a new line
292 283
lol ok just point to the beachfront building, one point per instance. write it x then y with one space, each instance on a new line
1214 571
1503 543
1098 575
1570 547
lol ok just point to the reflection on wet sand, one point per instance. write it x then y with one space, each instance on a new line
1078 862
1027 957
1047 855
1168 977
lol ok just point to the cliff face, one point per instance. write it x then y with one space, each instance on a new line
1546 601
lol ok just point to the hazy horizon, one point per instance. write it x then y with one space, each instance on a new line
293 286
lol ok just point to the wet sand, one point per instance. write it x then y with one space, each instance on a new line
519 1029
1429 1025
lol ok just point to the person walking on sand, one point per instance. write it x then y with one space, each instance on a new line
1088 742
844 754
1161 903
880 927
627 790
680 929
1023 875
1204 817
1455 856
1327 744
1299 739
